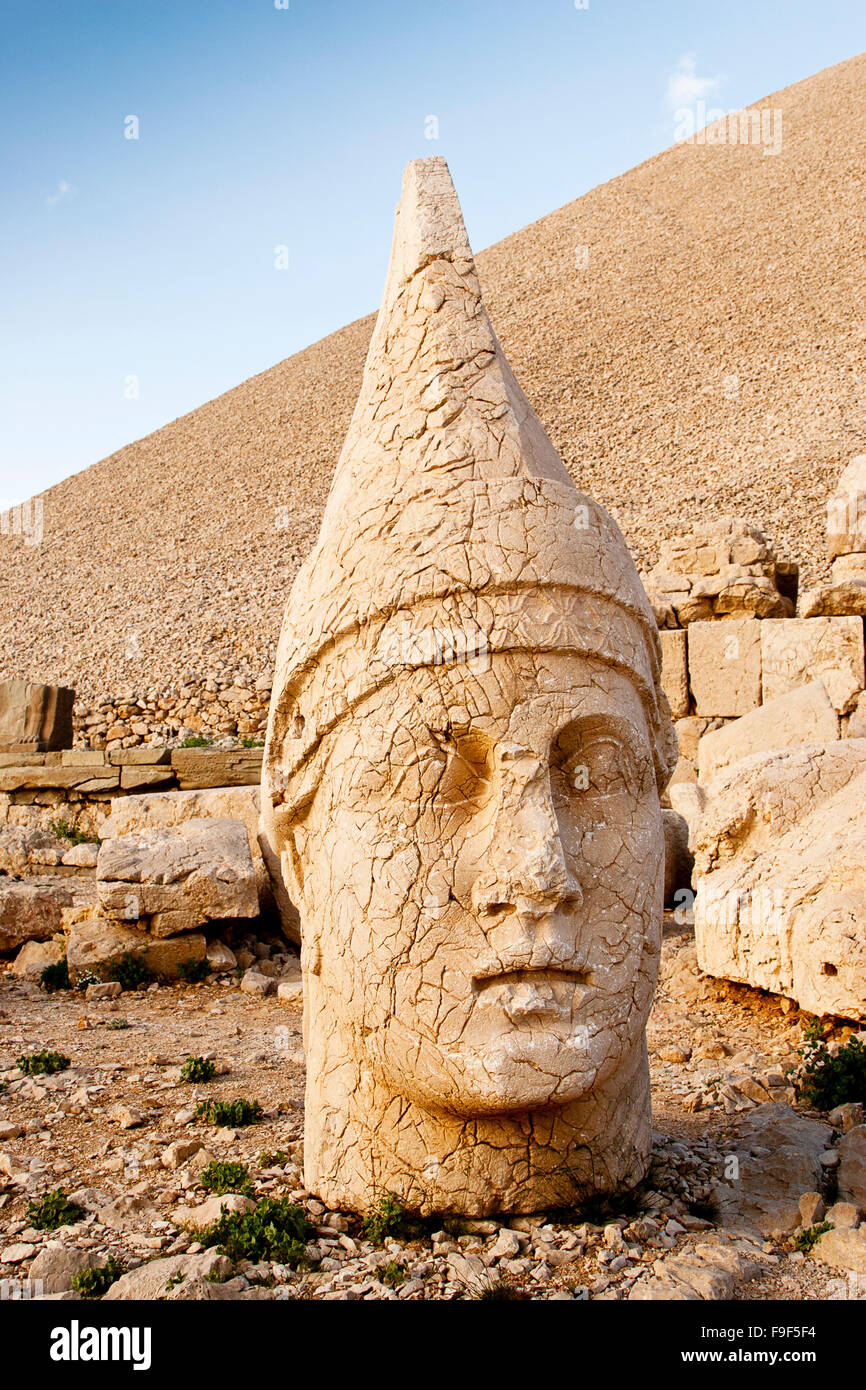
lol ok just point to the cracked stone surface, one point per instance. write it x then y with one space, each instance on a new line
466 747
779 863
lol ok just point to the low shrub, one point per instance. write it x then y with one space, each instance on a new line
806 1239
193 972
278 1159
226 1177
93 1283
42 1063
55 976
197 1069
62 830
130 971
53 1210
276 1230
387 1219
229 1112
824 1079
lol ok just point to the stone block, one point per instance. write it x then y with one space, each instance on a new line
795 651
27 778
779 866
147 812
96 943
36 716
197 768
34 956
725 666
32 909
82 757
140 757
137 777
180 877
846 511
852 1167
803 716
675 674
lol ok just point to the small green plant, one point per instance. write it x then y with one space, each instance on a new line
197 1069
42 1063
53 1210
130 971
252 743
62 830
806 1240
278 1159
226 1177
193 971
825 1080
196 741
93 1283
85 978
276 1230
229 1112
175 1279
55 976
392 1274
117 1024
387 1219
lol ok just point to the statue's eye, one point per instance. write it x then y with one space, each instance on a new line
601 765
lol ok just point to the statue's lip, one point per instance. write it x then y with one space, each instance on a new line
506 973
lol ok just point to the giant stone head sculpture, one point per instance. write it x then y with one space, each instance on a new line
466 745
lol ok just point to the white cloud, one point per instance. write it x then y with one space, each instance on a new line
685 87
64 190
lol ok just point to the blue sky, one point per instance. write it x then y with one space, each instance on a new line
139 277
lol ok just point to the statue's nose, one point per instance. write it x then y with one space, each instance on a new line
526 870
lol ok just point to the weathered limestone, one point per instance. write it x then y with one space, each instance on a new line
34 956
32 909
178 877
843 1249
843 598
466 744
675 671
725 666
852 1167
133 813
35 717
779 853
798 650
232 767
846 512
805 715
717 569
129 814
96 943
779 1155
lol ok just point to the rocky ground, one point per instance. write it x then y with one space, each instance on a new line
117 1131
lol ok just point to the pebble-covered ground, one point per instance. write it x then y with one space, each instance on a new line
117 1131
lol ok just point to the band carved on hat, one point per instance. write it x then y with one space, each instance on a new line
460 628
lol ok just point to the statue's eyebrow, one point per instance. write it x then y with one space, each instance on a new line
573 732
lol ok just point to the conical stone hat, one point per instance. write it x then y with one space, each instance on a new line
450 513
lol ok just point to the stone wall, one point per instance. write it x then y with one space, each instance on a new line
79 786
209 706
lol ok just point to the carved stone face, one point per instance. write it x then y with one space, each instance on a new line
480 873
